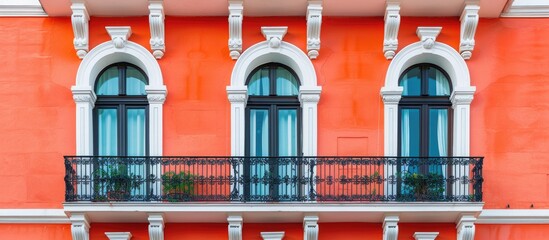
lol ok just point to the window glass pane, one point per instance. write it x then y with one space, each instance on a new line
107 84
411 82
438 137
438 83
107 132
259 83
135 82
259 132
287 132
410 132
286 84
136 132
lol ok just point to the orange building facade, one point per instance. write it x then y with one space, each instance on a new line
314 126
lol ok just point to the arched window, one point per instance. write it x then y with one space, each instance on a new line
121 110
273 130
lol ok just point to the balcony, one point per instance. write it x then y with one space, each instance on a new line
319 180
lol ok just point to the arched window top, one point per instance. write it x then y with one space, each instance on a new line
121 79
273 79
425 80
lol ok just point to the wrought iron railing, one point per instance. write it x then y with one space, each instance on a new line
273 179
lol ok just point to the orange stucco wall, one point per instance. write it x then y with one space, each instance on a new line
35 231
508 116
139 231
511 232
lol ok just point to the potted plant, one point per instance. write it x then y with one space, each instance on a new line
428 186
177 186
115 181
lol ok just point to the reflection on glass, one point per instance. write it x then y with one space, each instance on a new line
438 83
259 83
136 132
107 132
135 82
411 82
286 84
107 84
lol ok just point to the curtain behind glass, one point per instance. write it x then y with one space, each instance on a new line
107 84
107 132
438 138
410 135
135 82
438 83
286 84
259 147
287 146
411 82
259 83
136 132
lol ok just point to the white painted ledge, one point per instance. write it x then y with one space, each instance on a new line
514 216
34 216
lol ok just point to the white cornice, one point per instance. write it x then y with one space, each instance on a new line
33 216
513 9
514 216
18 10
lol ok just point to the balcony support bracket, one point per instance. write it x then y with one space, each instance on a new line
156 226
390 227
235 227
466 227
80 226
310 227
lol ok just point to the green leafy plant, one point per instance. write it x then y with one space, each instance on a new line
116 181
178 186
429 186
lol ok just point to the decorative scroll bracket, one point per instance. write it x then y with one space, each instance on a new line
156 22
80 226
80 19
392 23
466 227
119 35
428 35
310 228
469 22
235 227
236 10
390 227
274 35
314 23
156 226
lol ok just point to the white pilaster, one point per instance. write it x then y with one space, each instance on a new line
236 10
119 235
156 97
80 27
392 24
272 235
310 227
469 22
238 96
80 226
425 235
156 226
156 22
391 98
309 97
390 227
466 227
314 24
235 227
84 97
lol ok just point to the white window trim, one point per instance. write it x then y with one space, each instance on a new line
83 92
451 61
309 92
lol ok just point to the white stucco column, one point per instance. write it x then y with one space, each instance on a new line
84 97
391 97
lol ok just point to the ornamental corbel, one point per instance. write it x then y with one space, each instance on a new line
80 19
156 22
235 227
392 23
274 35
428 36
314 23
469 22
466 227
156 226
310 228
390 227
119 35
80 226
235 28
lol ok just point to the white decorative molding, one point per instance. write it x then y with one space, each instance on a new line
119 235
314 24
309 92
33 216
392 24
310 228
428 35
119 35
235 28
469 21
156 226
272 235
274 35
513 216
80 27
21 8
425 235
451 61
96 60
390 227
466 227
80 226
235 227
530 9
156 22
